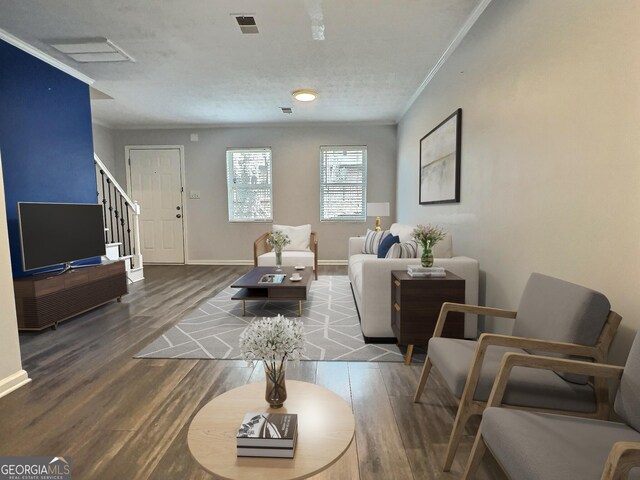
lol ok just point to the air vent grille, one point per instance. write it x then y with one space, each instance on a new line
286 109
247 24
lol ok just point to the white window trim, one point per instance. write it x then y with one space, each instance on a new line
229 157
363 217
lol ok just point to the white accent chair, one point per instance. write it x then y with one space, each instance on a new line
300 252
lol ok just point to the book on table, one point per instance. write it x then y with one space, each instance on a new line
272 278
267 435
420 271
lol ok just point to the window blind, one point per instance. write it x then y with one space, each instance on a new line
343 184
249 185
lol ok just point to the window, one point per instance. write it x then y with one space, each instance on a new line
343 184
249 185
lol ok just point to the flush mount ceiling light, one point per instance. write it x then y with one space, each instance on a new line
305 95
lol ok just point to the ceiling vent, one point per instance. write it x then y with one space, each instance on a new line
87 50
286 109
247 24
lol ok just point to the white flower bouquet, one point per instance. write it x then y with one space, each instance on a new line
278 240
274 341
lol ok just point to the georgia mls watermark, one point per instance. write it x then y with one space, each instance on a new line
35 468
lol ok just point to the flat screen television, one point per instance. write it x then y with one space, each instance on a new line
59 233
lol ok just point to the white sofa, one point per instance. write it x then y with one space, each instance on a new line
371 282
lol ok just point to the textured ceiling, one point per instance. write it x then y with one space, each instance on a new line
194 67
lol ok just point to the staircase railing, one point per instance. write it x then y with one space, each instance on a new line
121 214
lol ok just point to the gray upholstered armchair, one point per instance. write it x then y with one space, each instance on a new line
535 445
554 317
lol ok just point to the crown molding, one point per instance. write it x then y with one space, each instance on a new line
31 50
447 53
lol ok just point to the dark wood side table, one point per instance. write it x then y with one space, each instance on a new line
416 304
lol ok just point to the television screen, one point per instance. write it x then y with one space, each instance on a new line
56 233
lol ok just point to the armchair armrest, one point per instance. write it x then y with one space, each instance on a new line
622 458
461 307
260 247
511 360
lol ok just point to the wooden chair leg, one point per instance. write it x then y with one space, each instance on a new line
477 453
426 369
462 417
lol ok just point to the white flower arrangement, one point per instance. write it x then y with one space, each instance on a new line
278 240
273 340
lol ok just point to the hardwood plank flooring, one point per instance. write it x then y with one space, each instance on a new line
125 418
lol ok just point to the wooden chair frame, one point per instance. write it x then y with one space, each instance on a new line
467 406
623 455
260 247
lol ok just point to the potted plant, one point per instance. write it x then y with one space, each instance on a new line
427 237
274 341
278 240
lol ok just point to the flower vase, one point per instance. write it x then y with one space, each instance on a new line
427 258
278 260
276 392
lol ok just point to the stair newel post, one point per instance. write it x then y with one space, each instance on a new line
130 250
109 186
104 206
136 225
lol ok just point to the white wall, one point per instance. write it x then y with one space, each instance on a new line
550 149
296 178
103 146
12 375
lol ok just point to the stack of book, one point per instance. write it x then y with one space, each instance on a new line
272 278
420 271
268 435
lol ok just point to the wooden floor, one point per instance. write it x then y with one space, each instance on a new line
125 418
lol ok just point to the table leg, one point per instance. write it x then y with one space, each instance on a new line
407 360
300 308
243 308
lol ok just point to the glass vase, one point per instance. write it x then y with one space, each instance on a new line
276 392
278 260
427 258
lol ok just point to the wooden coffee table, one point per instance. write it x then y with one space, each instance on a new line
325 432
288 290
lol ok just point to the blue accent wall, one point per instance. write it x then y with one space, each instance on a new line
46 140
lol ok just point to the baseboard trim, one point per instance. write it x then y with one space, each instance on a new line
13 382
250 262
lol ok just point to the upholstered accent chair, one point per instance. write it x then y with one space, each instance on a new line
303 249
535 445
555 318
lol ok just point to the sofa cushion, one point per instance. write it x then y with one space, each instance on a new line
532 446
373 240
527 387
299 236
552 309
405 232
289 259
403 250
386 244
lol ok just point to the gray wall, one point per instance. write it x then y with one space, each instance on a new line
103 146
550 158
212 239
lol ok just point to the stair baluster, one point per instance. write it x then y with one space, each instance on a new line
104 205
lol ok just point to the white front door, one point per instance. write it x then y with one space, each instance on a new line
156 184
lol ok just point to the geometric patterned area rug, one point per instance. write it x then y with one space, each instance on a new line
212 330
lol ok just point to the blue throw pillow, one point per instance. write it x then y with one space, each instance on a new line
385 245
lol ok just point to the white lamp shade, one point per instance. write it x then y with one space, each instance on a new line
378 209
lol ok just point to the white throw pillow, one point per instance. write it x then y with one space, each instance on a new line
299 236
402 231
372 241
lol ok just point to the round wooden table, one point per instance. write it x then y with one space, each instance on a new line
325 431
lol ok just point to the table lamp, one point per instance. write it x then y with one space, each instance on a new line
378 210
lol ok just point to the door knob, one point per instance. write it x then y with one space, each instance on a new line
178 216
178 208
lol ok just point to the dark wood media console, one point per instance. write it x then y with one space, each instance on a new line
43 301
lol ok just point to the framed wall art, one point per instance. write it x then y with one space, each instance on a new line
440 162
